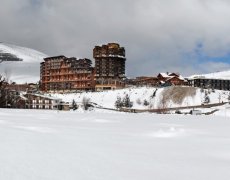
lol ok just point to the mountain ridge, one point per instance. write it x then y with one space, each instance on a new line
26 65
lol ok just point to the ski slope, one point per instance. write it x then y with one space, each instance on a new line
27 70
48 145
26 54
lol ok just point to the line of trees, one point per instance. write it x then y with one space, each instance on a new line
8 99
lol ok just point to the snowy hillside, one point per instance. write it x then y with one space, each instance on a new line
27 70
215 75
175 96
26 54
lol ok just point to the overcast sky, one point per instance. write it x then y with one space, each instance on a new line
186 36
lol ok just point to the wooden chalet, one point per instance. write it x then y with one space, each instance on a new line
162 79
147 81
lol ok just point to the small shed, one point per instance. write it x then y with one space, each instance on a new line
195 112
64 106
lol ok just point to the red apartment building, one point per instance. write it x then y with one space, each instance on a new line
62 74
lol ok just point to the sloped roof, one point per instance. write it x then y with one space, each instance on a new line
165 75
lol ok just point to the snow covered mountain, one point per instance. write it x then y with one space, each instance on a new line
215 75
20 64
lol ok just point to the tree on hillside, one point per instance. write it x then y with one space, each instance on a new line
7 98
118 102
154 94
206 99
86 103
126 102
146 103
138 101
74 105
3 92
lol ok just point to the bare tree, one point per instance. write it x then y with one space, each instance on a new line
85 103
163 105
4 93
138 101
7 74
74 105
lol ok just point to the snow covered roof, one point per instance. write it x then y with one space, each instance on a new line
180 78
225 75
170 75
164 75
46 96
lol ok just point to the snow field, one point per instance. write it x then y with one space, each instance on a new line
39 144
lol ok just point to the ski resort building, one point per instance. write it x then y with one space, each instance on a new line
146 81
162 79
38 101
212 83
109 66
62 74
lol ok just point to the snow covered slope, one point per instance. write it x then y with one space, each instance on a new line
175 96
26 70
215 75
26 54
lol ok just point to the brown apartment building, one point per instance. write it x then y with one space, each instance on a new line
62 74
109 66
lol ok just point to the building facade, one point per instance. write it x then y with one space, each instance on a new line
161 80
202 82
60 73
38 101
109 66
146 81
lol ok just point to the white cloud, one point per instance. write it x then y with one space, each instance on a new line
155 33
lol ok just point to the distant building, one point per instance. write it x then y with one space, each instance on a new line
212 83
168 79
31 87
147 81
162 79
38 101
62 74
109 66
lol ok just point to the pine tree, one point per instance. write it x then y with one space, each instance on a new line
126 102
118 102
146 103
